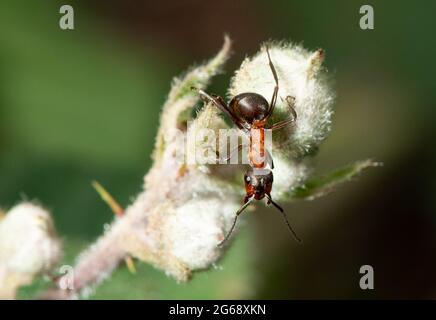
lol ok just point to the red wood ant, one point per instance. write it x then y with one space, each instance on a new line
250 111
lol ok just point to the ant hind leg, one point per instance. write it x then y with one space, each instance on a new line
281 124
232 154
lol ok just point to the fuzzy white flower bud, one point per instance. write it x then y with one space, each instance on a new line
28 246
300 76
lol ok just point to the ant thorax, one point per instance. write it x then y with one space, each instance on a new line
259 155
257 148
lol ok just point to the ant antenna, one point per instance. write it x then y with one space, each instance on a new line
273 69
284 217
234 221
276 79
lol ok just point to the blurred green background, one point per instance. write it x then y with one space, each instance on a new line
84 104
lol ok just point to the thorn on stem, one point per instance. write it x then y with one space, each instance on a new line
118 211
115 207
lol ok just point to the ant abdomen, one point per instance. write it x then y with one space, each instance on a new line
250 107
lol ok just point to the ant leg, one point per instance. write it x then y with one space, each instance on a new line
276 88
270 200
232 153
247 202
290 100
221 105
281 124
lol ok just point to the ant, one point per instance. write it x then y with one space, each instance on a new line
250 111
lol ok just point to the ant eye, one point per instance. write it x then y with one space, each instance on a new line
247 179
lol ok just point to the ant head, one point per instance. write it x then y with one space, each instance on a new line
250 107
258 183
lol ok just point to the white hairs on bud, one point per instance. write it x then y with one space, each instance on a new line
288 174
300 76
28 246
196 228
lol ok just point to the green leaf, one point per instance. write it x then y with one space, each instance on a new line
323 185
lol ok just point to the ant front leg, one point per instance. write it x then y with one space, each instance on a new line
247 201
281 124
218 102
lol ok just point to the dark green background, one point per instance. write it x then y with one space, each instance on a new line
84 104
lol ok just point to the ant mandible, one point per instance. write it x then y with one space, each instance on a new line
250 111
